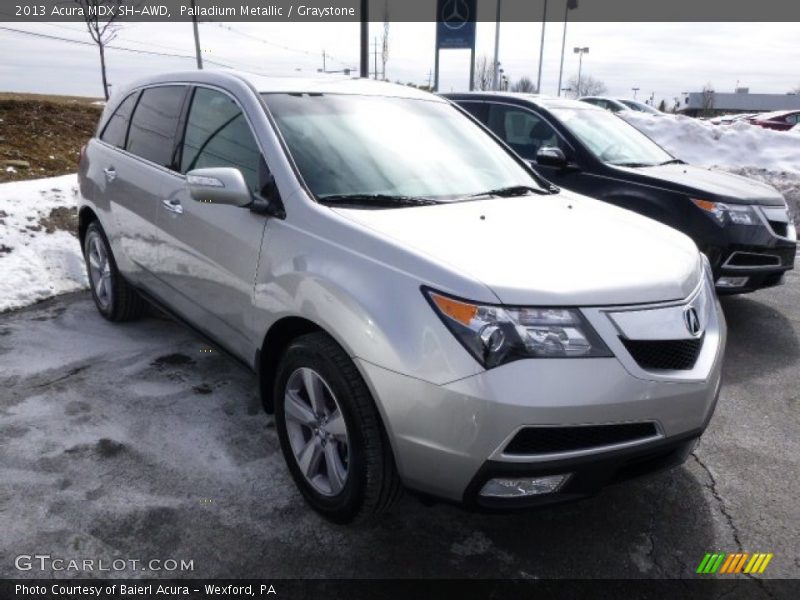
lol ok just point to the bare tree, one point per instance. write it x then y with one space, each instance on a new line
102 26
483 73
707 99
589 86
524 85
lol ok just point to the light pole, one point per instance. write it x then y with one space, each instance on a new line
580 52
570 5
541 50
198 55
496 65
635 89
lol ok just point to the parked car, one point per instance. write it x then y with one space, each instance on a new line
743 226
640 106
734 118
782 120
421 308
606 103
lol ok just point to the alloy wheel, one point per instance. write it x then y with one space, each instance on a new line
317 431
99 271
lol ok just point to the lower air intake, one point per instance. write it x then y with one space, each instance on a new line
548 440
664 355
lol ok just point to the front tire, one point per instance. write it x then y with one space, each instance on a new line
114 297
331 433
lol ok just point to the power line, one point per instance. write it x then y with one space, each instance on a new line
274 44
108 46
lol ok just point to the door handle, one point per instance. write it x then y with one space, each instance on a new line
110 173
173 206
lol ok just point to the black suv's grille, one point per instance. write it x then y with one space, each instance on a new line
660 355
546 440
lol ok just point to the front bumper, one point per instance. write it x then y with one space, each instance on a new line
753 257
587 474
447 438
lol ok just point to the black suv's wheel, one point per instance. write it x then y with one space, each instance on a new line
114 297
330 432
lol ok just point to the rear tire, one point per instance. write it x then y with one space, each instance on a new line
114 297
352 476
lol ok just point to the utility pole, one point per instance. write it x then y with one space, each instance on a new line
196 39
580 52
541 50
375 50
364 67
570 5
635 89
496 65
324 67
430 79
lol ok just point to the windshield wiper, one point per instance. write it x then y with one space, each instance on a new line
672 161
377 200
633 165
514 190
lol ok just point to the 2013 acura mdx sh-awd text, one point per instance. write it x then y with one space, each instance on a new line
421 308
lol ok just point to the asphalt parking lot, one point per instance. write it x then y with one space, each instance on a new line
131 441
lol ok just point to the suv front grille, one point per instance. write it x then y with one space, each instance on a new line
660 355
548 440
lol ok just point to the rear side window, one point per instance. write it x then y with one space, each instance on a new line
155 122
217 135
476 109
117 127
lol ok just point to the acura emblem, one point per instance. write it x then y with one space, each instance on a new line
692 320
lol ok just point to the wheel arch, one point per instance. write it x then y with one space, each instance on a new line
85 217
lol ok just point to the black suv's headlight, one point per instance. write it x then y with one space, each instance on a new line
737 214
499 334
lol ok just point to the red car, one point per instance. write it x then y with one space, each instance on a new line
782 120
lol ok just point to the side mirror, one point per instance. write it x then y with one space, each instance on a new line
219 185
550 156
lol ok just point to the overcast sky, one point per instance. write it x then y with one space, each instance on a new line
661 58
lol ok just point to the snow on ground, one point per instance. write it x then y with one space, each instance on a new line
739 145
38 258
769 156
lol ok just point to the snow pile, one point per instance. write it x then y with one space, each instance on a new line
736 146
37 258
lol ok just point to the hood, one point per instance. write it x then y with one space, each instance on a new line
563 249
721 186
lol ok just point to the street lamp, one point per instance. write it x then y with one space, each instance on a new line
570 5
580 52
635 89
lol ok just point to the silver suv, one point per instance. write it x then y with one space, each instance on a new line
422 310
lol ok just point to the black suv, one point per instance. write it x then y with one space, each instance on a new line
743 226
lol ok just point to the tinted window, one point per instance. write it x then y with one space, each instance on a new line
117 126
155 121
476 109
524 131
217 135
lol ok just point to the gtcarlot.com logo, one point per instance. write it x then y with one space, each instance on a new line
46 562
732 563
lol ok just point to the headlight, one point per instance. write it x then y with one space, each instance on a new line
499 334
738 214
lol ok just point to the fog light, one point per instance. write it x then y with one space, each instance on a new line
523 486
732 282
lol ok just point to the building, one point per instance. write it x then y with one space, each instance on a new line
708 104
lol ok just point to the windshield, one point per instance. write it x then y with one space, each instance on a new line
611 139
382 149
